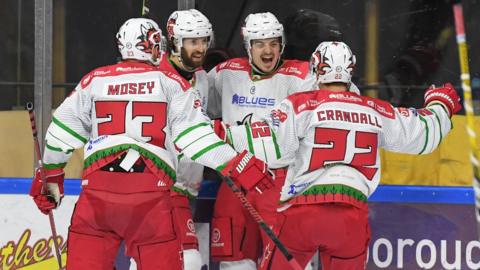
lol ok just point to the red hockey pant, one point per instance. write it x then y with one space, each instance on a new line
102 219
339 231
235 234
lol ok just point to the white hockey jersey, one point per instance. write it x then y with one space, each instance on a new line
236 93
332 140
190 173
133 105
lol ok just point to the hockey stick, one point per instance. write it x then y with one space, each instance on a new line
467 102
44 182
256 216
145 7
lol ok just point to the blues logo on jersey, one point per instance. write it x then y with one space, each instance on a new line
246 101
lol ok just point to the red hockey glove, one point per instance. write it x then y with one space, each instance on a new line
249 172
51 198
220 129
446 96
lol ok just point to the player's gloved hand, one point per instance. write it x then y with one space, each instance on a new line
220 129
445 96
50 198
250 172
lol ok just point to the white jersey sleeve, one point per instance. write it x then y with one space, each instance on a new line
192 132
70 127
415 131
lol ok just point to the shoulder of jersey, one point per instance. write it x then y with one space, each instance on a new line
115 70
234 64
304 101
169 71
295 68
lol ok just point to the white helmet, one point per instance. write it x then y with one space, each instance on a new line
136 39
187 24
261 26
332 62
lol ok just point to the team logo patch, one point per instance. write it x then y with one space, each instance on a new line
197 103
403 111
280 115
215 235
191 225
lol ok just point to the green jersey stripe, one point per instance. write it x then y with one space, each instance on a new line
69 130
249 139
426 134
183 191
188 130
55 149
54 166
198 139
439 124
51 134
206 149
277 148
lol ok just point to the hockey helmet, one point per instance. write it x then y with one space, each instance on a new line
187 24
332 62
136 39
261 26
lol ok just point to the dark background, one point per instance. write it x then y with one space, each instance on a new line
416 40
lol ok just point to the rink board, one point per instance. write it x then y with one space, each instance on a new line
412 227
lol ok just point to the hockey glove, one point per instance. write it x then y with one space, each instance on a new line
51 198
445 96
250 172
220 129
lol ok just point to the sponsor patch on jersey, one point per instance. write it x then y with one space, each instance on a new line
86 80
278 116
97 140
250 101
346 97
424 112
294 189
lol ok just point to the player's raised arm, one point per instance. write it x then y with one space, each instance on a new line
420 131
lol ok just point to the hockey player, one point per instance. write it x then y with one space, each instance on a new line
238 88
125 116
189 36
330 139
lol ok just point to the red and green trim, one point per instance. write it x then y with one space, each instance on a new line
149 155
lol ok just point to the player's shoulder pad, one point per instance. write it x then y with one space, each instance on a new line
170 72
295 68
240 63
382 107
115 70
304 101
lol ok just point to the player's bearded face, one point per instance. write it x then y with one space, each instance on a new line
193 51
266 53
